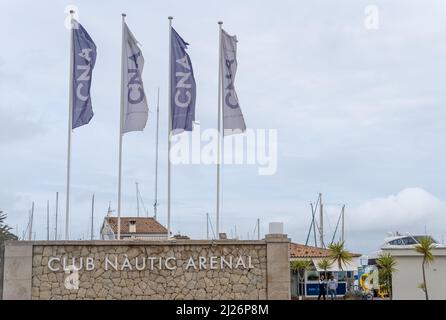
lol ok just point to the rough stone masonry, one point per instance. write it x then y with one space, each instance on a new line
183 269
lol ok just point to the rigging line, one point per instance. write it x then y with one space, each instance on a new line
142 202
328 221
313 215
314 230
311 224
212 228
317 226
255 228
28 225
336 230
317 205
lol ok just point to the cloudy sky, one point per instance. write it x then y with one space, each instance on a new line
360 114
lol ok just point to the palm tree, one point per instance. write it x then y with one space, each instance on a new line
425 246
339 254
5 233
324 264
300 266
387 264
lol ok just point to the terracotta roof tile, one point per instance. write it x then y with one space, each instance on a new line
303 251
143 225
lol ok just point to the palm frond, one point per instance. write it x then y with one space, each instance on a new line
324 264
424 247
300 265
387 263
339 254
5 230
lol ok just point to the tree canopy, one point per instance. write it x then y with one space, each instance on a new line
5 230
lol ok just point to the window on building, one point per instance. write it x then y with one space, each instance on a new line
341 276
312 276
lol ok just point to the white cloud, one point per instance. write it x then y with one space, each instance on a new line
14 126
407 210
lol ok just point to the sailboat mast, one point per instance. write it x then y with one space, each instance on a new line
321 221
137 198
57 212
92 217
313 224
30 231
48 220
207 226
342 227
258 229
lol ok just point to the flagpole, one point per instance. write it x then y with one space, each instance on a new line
220 23
57 211
48 220
169 126
70 126
155 205
120 129
137 199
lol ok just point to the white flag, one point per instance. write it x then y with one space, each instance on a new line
233 121
135 111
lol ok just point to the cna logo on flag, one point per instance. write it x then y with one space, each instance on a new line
183 94
135 111
84 61
233 121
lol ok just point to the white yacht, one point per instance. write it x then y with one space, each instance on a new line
396 239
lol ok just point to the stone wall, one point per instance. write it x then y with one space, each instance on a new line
178 269
152 283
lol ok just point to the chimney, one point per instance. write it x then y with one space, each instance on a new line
132 226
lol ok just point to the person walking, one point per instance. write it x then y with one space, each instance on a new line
356 285
332 285
322 287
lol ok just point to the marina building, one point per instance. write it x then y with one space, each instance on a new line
137 228
309 283
408 277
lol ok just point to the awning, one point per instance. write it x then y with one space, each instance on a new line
349 266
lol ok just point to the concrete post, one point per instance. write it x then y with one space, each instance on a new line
278 267
17 271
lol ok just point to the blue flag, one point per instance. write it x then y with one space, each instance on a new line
135 106
84 61
183 92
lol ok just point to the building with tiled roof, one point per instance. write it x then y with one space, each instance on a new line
141 228
299 251
309 283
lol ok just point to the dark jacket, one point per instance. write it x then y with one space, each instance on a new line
322 286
